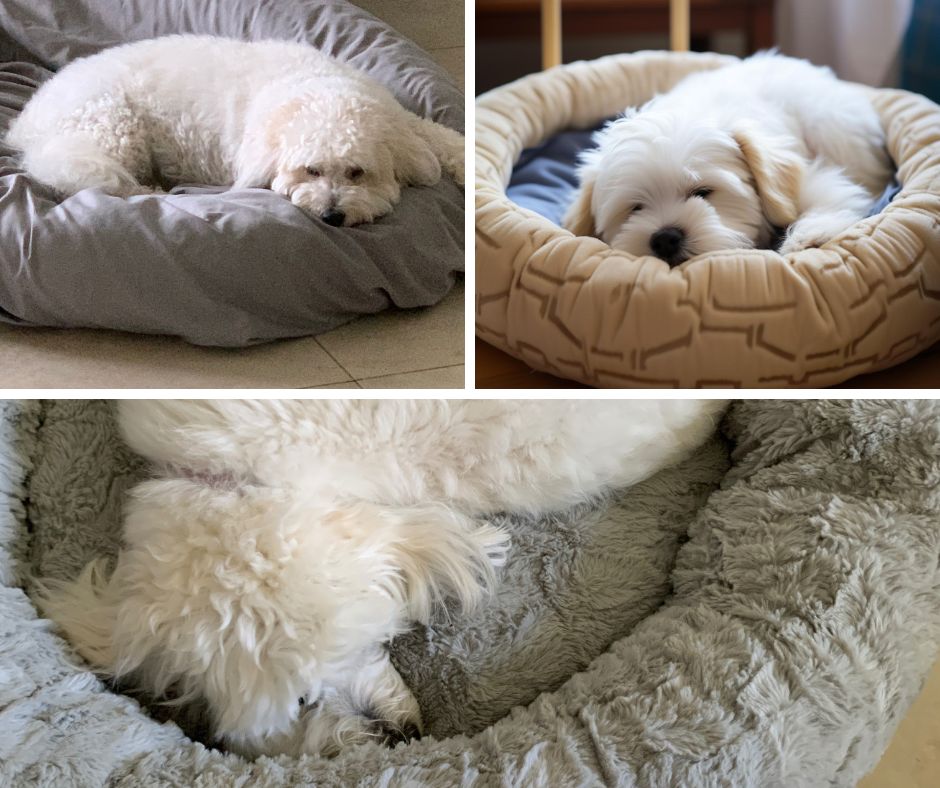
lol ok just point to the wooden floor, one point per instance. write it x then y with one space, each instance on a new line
913 757
497 370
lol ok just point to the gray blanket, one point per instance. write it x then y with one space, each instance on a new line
215 267
761 615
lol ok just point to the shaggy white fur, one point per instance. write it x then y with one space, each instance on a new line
271 114
284 542
728 157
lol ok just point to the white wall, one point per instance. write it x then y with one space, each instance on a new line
859 39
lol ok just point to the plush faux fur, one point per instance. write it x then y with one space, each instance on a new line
272 114
285 542
772 632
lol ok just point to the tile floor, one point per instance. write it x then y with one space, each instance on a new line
416 349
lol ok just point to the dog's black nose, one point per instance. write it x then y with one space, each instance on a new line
333 217
667 244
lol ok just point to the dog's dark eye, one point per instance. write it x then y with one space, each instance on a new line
354 173
313 171
638 207
704 193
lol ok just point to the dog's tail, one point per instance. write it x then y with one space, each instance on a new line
85 609
71 162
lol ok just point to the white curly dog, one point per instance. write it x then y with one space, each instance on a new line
283 543
198 109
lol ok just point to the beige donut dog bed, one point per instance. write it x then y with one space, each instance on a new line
574 307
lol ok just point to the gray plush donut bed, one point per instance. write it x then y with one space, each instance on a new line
216 267
762 614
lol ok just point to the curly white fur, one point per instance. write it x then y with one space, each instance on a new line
728 157
271 114
284 542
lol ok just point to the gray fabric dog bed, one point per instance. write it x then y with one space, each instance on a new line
215 267
763 614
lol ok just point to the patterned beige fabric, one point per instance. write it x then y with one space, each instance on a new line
576 308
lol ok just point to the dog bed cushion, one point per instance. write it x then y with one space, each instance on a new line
762 614
574 307
215 267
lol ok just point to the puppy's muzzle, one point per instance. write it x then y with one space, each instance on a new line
667 244
333 217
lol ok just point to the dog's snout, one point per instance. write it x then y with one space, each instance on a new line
666 244
333 217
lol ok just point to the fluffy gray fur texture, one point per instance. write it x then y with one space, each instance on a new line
763 614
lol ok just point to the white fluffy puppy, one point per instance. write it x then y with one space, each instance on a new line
199 109
283 543
730 157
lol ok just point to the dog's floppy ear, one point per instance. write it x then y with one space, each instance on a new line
255 163
579 218
256 160
414 161
778 174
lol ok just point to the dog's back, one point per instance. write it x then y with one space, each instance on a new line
835 119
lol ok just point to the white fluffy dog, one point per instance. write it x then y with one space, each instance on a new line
272 114
283 543
729 158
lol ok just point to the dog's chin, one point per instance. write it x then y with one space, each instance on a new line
360 208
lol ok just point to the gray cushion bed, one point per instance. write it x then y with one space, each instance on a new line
763 614
216 268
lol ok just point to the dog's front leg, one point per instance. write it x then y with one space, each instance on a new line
830 203
447 145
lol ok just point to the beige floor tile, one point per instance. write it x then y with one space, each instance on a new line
47 358
431 24
441 378
452 60
394 342
913 758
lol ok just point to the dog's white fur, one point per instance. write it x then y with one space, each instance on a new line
779 143
200 109
283 543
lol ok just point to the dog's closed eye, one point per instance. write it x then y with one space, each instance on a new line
702 191
637 207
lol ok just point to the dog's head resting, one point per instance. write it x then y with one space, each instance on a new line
338 152
671 186
271 607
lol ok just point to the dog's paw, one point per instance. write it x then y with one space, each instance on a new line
457 171
401 716
812 232
799 242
